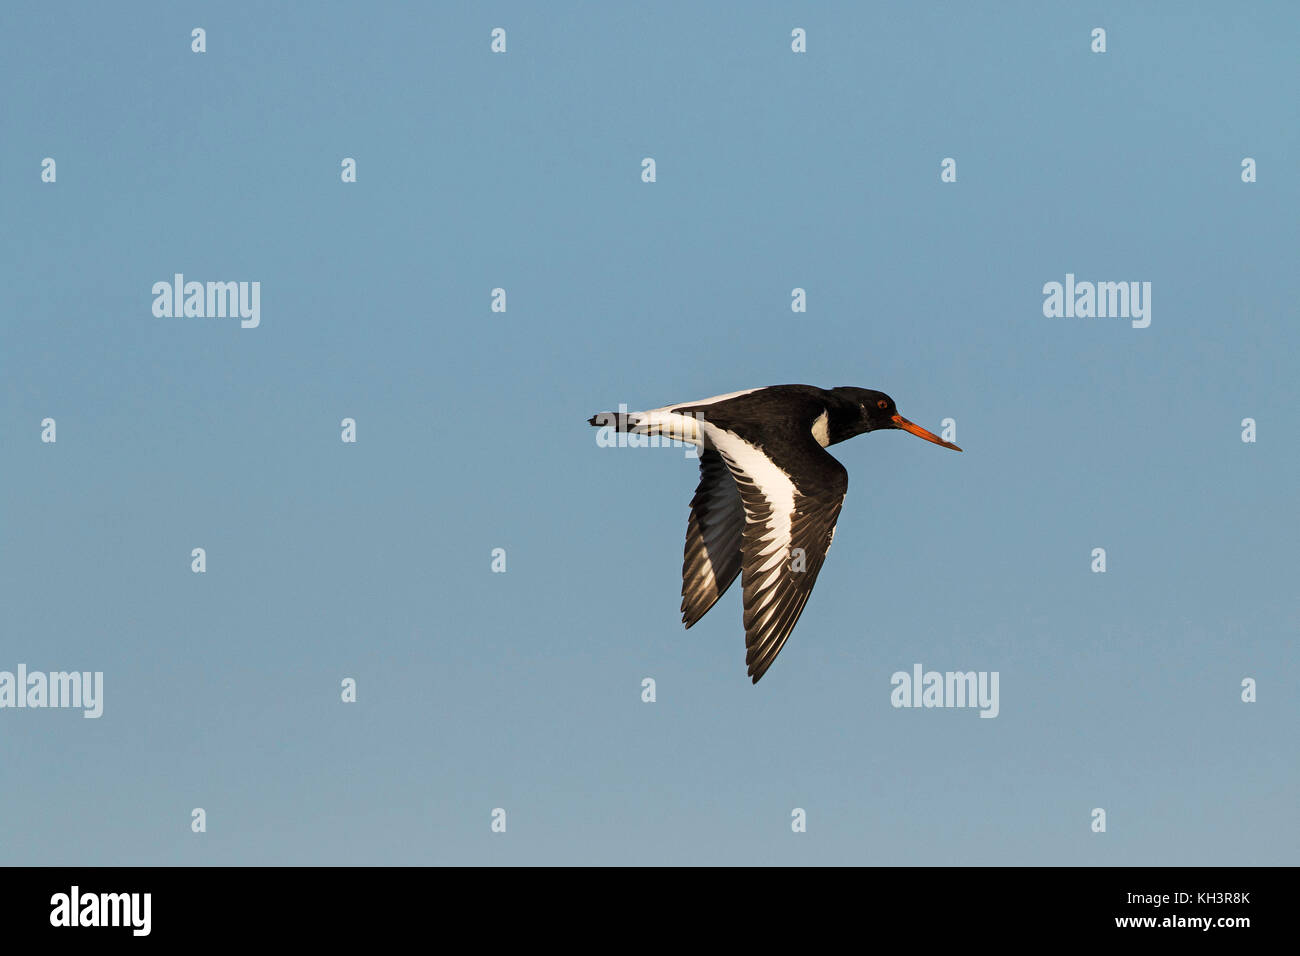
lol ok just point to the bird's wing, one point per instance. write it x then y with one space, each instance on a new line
789 524
712 538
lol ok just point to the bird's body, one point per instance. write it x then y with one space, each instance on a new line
768 497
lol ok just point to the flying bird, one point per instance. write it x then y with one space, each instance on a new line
768 497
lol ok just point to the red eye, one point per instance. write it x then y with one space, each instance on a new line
882 404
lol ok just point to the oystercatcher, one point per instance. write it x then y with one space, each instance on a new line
768 497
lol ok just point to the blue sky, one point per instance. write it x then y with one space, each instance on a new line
522 690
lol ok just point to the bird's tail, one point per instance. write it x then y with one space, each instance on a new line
620 421
657 422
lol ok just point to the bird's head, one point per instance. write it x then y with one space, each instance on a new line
866 410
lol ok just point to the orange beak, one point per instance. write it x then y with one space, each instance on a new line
919 432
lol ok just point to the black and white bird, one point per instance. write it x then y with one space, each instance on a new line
768 497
